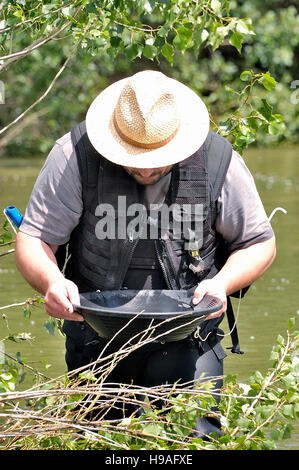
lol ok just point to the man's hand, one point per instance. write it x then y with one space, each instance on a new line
214 288
241 269
36 261
59 299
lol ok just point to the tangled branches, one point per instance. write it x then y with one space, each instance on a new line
74 411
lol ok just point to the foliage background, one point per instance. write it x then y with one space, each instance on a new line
115 48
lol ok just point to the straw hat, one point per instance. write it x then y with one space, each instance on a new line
147 121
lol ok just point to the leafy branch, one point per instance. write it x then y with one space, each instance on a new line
252 114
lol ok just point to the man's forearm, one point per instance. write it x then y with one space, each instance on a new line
36 262
245 266
242 268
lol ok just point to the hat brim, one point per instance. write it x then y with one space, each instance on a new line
192 132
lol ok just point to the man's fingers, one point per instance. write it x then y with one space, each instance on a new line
74 316
59 301
219 312
210 287
73 295
199 293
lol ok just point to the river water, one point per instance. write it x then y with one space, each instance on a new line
263 312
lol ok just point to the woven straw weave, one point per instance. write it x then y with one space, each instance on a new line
146 112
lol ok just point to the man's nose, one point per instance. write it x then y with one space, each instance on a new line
146 172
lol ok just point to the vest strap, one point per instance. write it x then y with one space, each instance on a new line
219 152
233 328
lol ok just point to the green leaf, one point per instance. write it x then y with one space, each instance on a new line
116 41
280 340
257 377
291 323
289 380
268 445
245 76
216 6
5 236
168 52
6 376
275 434
266 411
245 139
164 29
88 375
46 364
274 356
153 428
267 81
287 430
27 312
275 128
244 423
216 38
19 358
266 110
12 337
225 127
244 26
133 50
183 38
254 122
236 40
50 325
150 51
287 411
148 5
95 33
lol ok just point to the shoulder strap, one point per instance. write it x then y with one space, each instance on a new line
219 153
87 156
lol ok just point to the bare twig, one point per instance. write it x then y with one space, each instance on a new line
7 252
16 130
7 243
265 384
43 96
13 305
25 302
27 366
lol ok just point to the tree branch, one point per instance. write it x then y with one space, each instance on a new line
14 132
7 252
32 20
19 55
44 94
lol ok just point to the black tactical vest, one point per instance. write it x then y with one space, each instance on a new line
175 263
138 263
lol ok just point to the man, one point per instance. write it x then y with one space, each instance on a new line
148 140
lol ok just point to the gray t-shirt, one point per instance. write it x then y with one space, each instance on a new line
55 205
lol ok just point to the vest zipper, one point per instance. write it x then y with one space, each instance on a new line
131 245
167 271
162 265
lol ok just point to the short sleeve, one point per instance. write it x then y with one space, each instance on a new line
55 205
241 219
